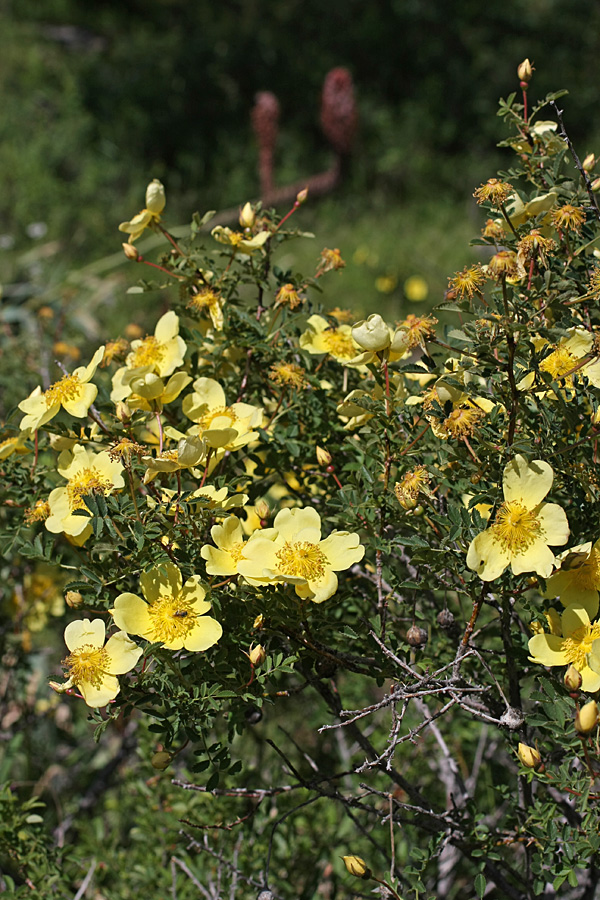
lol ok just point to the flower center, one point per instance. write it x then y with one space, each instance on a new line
516 528
236 551
87 665
585 574
302 559
339 344
462 421
558 363
87 481
171 618
221 417
579 644
68 388
149 353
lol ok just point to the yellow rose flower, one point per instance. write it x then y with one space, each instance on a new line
571 647
523 527
93 666
321 337
292 551
73 392
155 203
172 613
160 353
578 578
222 427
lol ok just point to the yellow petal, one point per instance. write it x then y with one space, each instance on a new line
527 482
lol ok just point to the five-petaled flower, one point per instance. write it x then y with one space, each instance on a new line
524 526
73 392
155 203
572 646
292 551
172 613
92 665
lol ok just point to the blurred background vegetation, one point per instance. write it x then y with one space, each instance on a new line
98 99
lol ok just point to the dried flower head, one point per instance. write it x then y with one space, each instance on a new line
206 299
288 295
535 246
504 264
125 449
595 282
329 259
287 374
117 349
412 483
493 230
39 512
568 218
461 422
494 191
417 330
468 282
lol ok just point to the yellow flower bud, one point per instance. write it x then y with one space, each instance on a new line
155 197
357 866
247 216
573 679
525 70
529 757
257 655
258 622
589 162
262 509
587 718
301 196
372 333
161 759
130 252
596 185
59 688
73 599
323 456
123 411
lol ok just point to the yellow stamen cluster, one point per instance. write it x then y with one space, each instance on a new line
579 643
584 573
568 218
468 282
124 449
87 481
494 191
39 512
493 231
462 421
205 298
504 264
411 485
114 350
288 374
88 665
302 559
595 282
171 618
558 363
149 353
288 295
339 344
64 390
516 527
418 329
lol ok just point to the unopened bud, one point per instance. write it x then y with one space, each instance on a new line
262 509
59 688
123 411
372 333
587 718
130 252
247 216
259 622
323 456
357 866
525 71
73 599
416 637
301 196
257 655
573 679
161 760
589 162
596 185
530 757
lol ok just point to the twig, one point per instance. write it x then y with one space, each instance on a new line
586 178
86 881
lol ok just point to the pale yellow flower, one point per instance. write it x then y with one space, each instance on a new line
578 577
572 646
73 392
172 613
292 551
161 354
239 241
321 337
523 527
222 427
93 666
155 203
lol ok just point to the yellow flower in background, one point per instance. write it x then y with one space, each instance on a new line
523 527
73 393
172 613
572 646
93 665
230 542
150 392
292 551
87 473
416 289
155 203
206 299
13 444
